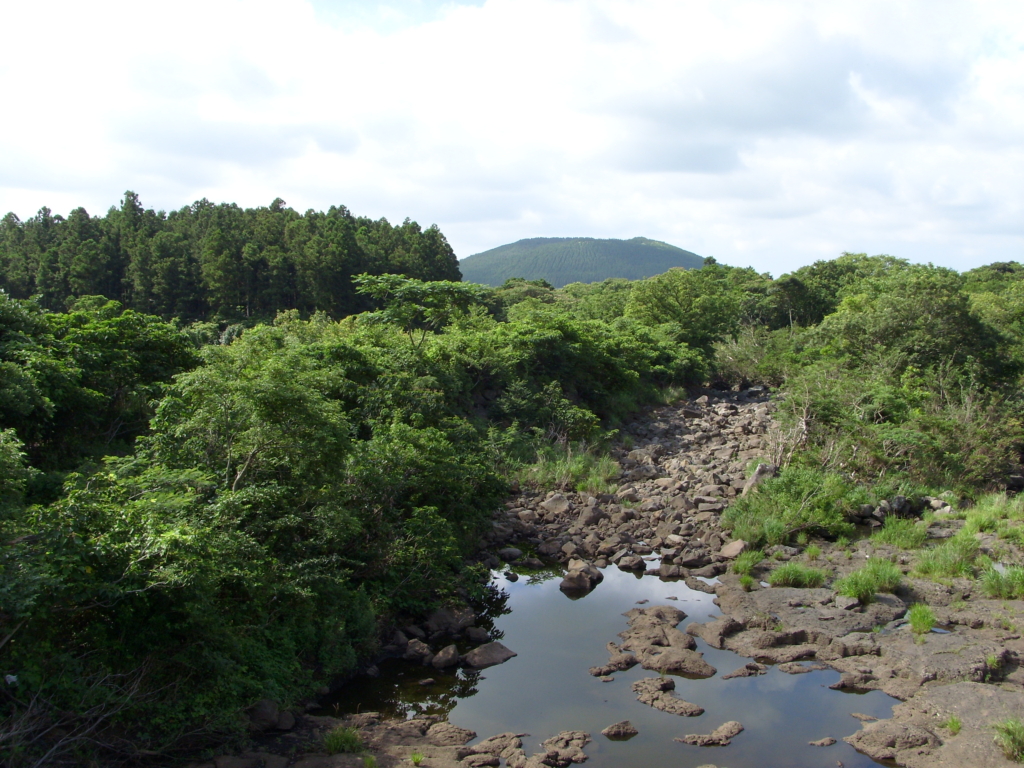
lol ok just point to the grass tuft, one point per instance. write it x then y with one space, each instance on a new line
1003 586
877 575
954 557
342 740
797 575
902 533
745 563
921 618
952 724
1010 738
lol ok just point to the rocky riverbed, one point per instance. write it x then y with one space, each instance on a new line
681 467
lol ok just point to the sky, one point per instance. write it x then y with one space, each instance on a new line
765 134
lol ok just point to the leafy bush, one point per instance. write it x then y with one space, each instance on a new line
798 499
902 533
878 575
797 575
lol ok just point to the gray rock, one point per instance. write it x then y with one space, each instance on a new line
488 655
657 692
556 504
444 734
508 554
263 715
828 741
446 657
620 731
285 721
719 737
417 650
477 635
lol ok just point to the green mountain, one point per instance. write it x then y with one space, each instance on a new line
563 260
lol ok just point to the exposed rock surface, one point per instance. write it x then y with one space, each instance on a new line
488 655
620 731
657 692
719 737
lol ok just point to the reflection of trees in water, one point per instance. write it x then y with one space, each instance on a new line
489 606
397 691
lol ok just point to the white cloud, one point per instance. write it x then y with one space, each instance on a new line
764 133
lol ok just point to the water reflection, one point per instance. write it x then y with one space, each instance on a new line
547 688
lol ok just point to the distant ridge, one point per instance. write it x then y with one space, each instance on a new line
564 260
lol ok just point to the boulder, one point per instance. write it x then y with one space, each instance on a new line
508 554
581 576
446 657
263 715
488 655
620 731
417 650
556 504
733 549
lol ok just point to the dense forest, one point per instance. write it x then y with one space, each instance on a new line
564 260
209 261
196 513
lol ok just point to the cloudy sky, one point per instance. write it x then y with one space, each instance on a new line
768 134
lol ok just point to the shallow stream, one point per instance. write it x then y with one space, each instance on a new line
547 689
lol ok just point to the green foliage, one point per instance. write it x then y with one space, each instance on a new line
416 758
699 305
341 740
953 557
571 468
209 261
901 532
1005 585
797 575
952 724
813 552
563 260
797 500
746 582
744 564
921 618
1010 738
877 575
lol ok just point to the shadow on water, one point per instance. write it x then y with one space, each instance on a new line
547 689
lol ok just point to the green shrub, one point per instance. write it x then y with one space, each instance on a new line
797 575
798 500
342 740
953 557
1010 738
902 533
878 575
921 618
745 563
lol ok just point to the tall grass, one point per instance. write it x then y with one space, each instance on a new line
1010 738
797 575
576 468
953 557
902 533
1008 585
877 575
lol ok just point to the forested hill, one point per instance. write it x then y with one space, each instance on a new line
209 261
564 260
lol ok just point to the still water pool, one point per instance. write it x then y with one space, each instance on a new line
547 689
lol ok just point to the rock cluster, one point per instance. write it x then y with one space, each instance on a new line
685 464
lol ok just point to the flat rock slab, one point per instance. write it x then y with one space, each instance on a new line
719 737
751 669
444 734
828 741
657 692
488 655
915 738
